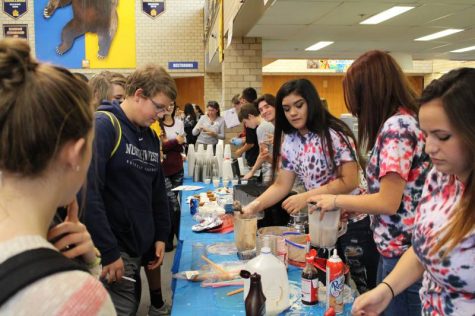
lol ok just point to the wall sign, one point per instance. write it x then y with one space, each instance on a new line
153 8
182 65
329 65
15 9
15 30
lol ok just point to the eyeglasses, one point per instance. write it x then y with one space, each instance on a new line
159 108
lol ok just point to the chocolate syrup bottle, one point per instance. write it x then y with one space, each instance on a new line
309 282
255 300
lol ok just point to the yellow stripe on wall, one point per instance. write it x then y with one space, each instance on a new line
122 51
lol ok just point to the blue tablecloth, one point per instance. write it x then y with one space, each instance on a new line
189 298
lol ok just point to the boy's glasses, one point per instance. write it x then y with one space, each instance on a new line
159 108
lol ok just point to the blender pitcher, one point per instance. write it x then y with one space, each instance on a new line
324 233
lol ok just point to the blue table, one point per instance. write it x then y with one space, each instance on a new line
189 298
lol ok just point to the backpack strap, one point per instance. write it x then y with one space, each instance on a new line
118 129
27 267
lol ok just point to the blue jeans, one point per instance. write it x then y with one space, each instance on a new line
407 302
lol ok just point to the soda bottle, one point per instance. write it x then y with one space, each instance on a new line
255 301
309 282
335 282
194 204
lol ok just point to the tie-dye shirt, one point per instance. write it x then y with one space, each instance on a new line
399 148
448 286
304 156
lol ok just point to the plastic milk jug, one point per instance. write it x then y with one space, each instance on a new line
275 282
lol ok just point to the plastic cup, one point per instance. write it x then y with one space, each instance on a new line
207 181
216 182
225 182
198 249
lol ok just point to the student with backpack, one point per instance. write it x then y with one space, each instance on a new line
39 172
126 203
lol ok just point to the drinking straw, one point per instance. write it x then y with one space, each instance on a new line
235 291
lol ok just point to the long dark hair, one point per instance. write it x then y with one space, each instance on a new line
319 120
161 121
456 90
198 109
374 88
190 111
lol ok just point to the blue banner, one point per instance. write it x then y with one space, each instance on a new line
182 65
15 9
153 8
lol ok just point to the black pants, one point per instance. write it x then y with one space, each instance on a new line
359 251
172 182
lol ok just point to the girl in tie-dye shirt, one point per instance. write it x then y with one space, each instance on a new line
320 150
443 249
377 92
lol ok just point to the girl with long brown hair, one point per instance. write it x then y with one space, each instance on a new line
443 250
378 94
320 150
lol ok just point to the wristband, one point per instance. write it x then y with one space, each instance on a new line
390 288
94 264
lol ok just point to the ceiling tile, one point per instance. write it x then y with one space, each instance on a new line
308 12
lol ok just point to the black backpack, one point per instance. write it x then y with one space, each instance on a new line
27 267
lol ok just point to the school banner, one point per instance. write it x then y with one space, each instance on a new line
60 33
153 8
15 8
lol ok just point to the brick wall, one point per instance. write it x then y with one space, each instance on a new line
175 35
213 88
241 68
441 66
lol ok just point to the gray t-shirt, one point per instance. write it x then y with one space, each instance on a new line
263 131
217 126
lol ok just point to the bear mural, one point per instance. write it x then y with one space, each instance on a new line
94 16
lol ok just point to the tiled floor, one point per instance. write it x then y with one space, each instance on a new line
166 285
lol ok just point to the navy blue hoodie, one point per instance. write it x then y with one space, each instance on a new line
126 202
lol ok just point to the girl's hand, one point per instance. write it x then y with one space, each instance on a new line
326 202
373 302
74 239
251 208
248 175
322 202
180 139
295 203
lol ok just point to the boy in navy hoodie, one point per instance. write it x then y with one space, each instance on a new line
126 209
